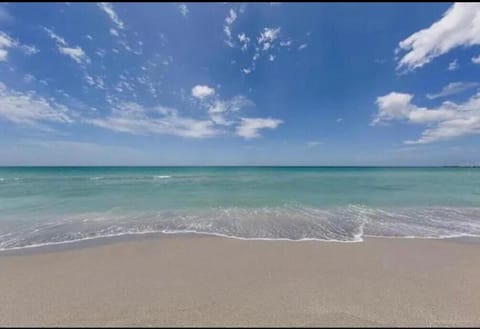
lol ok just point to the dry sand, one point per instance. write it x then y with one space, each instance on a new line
200 281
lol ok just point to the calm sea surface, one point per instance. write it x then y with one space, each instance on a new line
45 205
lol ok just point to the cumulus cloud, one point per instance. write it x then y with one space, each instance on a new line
107 7
202 91
135 119
250 127
29 108
449 120
453 88
459 26
476 60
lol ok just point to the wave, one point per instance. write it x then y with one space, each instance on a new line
289 223
162 177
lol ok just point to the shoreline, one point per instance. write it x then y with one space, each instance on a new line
129 237
200 280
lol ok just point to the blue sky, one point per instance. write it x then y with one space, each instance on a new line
239 84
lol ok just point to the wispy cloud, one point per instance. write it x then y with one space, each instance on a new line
183 9
7 42
314 143
267 37
220 111
107 7
459 26
476 60
229 20
453 88
136 119
250 127
5 16
302 46
453 65
76 53
30 109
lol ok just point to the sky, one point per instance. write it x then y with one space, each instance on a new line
240 84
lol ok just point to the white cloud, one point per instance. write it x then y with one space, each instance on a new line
100 53
227 31
219 110
119 30
135 119
183 9
232 16
448 121
302 46
459 26
269 35
28 78
7 42
249 127
3 55
244 40
76 53
29 50
202 91
247 71
453 65
271 58
89 37
286 43
453 88
229 20
476 60
54 36
107 7
28 108
96 82
339 120
313 143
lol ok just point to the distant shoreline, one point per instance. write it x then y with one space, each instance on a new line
232 166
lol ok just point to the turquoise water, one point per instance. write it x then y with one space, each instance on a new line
44 205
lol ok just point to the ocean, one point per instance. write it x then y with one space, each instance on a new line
52 205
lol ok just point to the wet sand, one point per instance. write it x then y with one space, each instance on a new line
186 280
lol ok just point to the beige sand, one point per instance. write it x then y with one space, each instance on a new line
199 281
